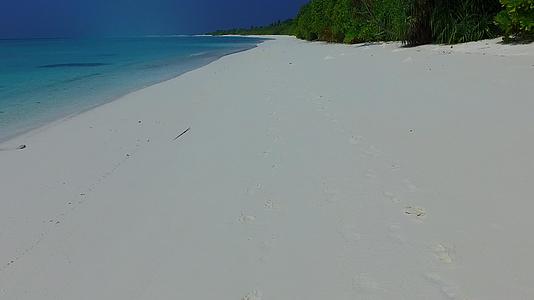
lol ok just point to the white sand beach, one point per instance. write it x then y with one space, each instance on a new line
310 171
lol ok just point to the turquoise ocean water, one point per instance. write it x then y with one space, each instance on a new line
42 80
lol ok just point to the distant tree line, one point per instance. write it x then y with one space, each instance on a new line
414 22
277 28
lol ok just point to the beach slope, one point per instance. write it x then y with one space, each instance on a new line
294 170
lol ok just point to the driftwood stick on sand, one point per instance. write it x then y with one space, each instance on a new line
21 147
180 135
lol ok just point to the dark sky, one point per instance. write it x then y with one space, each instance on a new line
71 18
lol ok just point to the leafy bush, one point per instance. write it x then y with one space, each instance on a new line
352 21
451 21
517 19
317 20
412 21
419 28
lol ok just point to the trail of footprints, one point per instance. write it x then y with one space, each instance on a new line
55 221
363 282
443 253
368 150
254 295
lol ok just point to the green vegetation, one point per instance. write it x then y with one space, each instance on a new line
352 21
451 21
414 22
277 28
517 19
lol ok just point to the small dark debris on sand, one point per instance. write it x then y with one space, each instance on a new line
20 147
180 135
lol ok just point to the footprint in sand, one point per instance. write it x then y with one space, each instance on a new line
269 204
246 219
354 140
451 291
328 57
254 190
330 194
350 234
445 253
415 211
268 245
331 197
254 295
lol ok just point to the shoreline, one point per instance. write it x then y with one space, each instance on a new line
459 48
58 119
301 171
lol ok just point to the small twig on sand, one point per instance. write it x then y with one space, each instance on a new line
21 147
180 135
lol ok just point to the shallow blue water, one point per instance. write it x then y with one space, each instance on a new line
45 79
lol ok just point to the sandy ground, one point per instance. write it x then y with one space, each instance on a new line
311 171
